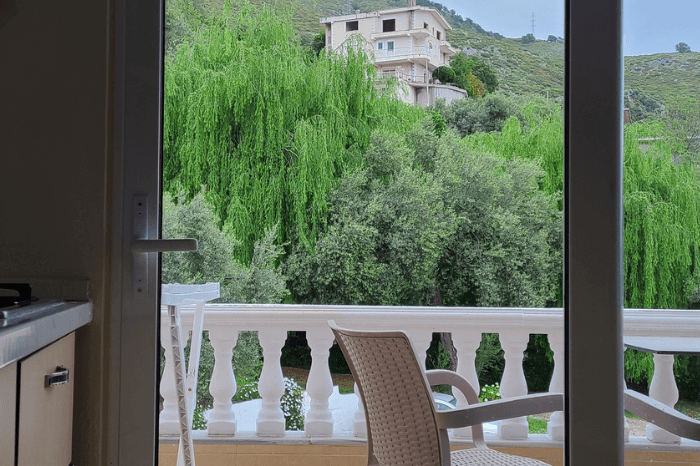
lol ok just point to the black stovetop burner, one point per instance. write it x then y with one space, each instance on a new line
22 297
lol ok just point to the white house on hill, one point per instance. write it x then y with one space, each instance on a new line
408 43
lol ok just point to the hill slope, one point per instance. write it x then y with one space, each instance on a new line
537 67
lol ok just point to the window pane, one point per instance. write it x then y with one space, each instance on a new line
662 117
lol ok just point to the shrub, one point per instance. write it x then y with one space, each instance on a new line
490 392
292 404
444 74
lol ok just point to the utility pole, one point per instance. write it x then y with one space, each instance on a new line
533 24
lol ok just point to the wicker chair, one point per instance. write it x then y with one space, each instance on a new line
403 425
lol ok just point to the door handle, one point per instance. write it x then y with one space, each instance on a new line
163 245
141 246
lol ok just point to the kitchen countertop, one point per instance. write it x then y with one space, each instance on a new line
24 338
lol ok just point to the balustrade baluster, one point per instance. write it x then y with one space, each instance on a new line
169 422
555 426
514 343
421 339
663 388
222 420
359 428
270 422
466 344
319 386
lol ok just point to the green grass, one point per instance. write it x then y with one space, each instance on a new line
536 425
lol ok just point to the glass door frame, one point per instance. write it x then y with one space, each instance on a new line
593 231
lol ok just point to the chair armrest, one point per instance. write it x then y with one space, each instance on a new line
445 377
500 409
661 415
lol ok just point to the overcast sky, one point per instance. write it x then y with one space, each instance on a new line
650 26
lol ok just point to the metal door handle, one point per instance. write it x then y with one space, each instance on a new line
163 245
60 377
141 246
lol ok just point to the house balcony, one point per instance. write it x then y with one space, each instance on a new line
328 440
418 33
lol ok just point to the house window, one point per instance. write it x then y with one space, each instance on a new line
390 46
389 25
380 45
438 35
425 26
352 26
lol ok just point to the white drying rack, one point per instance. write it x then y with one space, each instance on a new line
173 296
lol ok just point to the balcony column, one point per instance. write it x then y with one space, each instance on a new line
169 422
222 420
555 426
514 342
270 422
466 344
319 420
663 388
359 427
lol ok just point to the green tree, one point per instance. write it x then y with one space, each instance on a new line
433 222
318 43
386 231
682 47
444 74
265 128
213 261
464 66
527 39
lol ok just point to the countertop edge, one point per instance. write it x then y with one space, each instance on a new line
19 341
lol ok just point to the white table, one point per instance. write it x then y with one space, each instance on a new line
663 384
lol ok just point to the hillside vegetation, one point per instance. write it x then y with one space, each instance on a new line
522 68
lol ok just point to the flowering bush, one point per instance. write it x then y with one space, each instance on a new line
490 392
292 404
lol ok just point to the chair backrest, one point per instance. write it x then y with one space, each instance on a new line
399 406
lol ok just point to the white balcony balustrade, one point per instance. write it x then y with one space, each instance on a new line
466 325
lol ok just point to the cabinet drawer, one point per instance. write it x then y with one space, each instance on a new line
46 406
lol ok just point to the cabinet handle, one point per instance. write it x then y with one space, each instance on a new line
59 377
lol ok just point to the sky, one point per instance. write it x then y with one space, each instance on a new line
649 26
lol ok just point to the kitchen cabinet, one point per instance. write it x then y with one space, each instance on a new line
44 409
8 405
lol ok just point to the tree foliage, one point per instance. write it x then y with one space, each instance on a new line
427 221
259 282
444 74
473 75
662 227
682 47
527 39
265 127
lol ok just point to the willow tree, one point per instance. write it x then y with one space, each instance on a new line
662 227
264 127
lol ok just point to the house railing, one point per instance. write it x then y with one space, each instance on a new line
399 52
466 325
403 76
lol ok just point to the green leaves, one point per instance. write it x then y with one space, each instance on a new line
266 127
425 217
